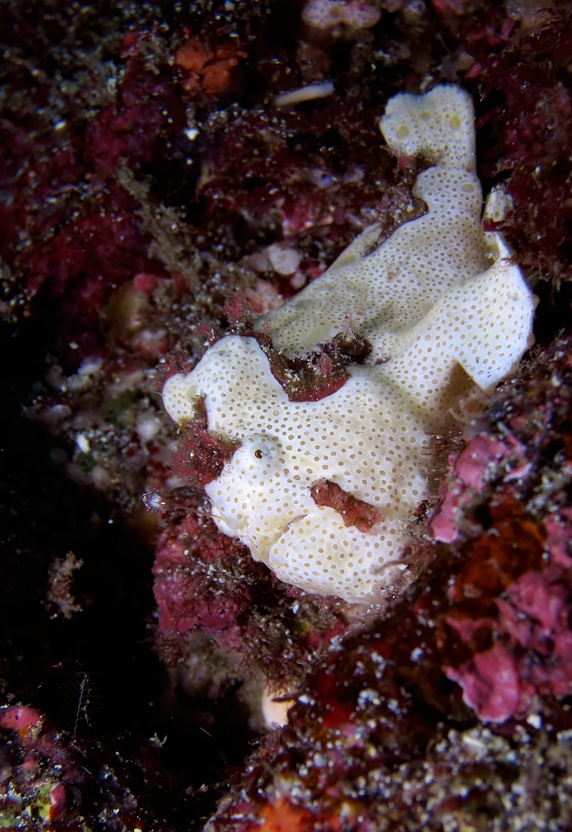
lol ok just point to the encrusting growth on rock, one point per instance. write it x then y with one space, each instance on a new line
445 312
325 14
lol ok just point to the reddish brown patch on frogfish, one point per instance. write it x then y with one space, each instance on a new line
201 455
354 512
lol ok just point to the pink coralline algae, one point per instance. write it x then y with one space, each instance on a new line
46 778
208 584
475 464
490 684
512 599
181 585
527 624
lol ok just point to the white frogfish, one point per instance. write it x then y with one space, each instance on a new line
446 313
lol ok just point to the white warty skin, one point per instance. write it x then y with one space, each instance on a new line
446 312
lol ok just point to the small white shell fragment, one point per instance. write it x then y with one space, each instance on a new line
307 93
275 712
147 427
83 443
284 260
